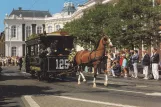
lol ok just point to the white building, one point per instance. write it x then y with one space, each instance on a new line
19 25
22 23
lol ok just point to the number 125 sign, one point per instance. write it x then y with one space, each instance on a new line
62 64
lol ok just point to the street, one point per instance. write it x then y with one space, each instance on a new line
17 89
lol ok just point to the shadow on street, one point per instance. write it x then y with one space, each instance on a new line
8 92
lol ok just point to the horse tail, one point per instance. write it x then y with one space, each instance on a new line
75 64
74 61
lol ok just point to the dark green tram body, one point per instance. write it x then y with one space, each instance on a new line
51 64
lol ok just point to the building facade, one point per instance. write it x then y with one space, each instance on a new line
19 25
22 23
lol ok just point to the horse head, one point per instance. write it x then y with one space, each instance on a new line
106 41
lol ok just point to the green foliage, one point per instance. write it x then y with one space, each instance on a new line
32 36
128 23
135 23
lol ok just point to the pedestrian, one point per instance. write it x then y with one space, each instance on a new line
117 56
135 60
116 69
121 58
42 56
130 63
127 56
124 65
20 63
155 64
146 64
9 61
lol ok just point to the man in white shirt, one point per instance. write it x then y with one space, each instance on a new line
146 64
155 64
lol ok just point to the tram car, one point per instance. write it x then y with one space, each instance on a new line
47 56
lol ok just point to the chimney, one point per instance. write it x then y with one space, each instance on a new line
20 8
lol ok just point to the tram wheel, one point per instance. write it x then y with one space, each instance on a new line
63 77
47 77
32 74
39 76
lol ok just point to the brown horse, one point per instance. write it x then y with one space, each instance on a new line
92 57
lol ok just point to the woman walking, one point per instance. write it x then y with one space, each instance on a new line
124 65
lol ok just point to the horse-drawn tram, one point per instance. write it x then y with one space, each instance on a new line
47 55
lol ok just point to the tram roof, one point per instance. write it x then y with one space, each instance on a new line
47 38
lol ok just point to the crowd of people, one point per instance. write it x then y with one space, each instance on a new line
124 62
11 61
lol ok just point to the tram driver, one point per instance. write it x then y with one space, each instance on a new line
42 55
53 48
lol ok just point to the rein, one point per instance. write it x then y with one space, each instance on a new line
90 60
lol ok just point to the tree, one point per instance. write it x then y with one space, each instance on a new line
133 23
128 23
88 29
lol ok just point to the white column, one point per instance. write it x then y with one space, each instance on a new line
10 47
6 50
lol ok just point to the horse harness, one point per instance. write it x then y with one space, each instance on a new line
90 60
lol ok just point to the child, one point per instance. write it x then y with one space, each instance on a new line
124 65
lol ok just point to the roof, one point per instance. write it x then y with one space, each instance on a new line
58 33
30 13
47 39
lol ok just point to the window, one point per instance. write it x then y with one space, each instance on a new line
57 27
49 29
28 31
39 29
13 31
36 49
13 50
32 50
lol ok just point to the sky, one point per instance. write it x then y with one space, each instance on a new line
54 6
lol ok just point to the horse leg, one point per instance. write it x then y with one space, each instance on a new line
79 76
95 75
84 79
106 79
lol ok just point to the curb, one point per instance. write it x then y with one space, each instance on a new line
26 104
29 101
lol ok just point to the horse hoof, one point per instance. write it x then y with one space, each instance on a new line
94 86
79 83
105 83
84 80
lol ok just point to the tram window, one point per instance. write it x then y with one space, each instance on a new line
29 50
36 49
32 50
